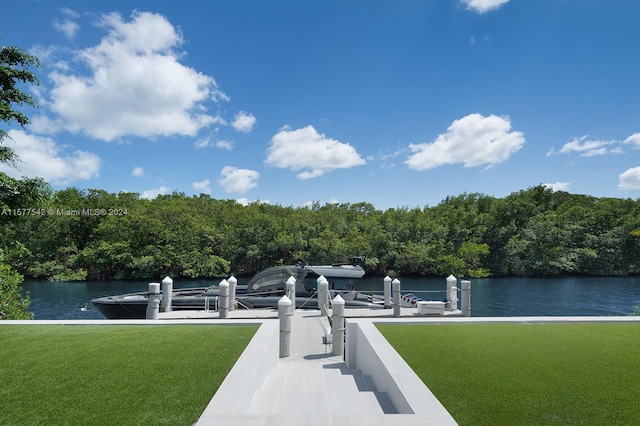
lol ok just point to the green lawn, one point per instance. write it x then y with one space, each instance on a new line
527 374
112 374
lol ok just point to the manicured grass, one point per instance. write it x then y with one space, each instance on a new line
527 374
112 374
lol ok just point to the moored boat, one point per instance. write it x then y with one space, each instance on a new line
264 290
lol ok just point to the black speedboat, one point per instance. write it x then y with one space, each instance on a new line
263 291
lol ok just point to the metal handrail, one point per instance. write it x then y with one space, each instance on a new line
242 304
309 298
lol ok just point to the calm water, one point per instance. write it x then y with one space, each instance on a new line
489 297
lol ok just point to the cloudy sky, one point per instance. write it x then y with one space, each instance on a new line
396 103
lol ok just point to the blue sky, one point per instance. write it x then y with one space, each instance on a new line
396 103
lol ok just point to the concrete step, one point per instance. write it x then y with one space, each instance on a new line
351 391
304 388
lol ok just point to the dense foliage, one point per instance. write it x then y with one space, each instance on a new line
15 73
13 305
76 234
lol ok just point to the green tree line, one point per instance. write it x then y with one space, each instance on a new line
93 234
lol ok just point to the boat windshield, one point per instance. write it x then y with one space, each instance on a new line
272 280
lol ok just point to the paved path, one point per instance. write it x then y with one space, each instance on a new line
314 387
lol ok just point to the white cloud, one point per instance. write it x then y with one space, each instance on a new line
220 144
306 149
66 26
590 147
630 179
70 13
137 171
557 186
587 147
483 6
150 194
136 86
224 144
42 157
202 143
202 186
473 140
388 159
233 179
634 139
45 125
243 122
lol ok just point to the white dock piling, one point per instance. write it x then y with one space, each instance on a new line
465 298
396 297
224 299
323 295
285 312
291 290
337 326
153 303
167 294
387 292
233 282
452 293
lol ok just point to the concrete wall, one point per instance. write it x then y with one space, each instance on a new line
368 351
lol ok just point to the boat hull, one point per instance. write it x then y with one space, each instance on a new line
125 310
134 306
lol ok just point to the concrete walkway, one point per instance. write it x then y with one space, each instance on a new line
310 387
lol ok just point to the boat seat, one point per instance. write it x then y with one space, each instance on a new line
349 296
